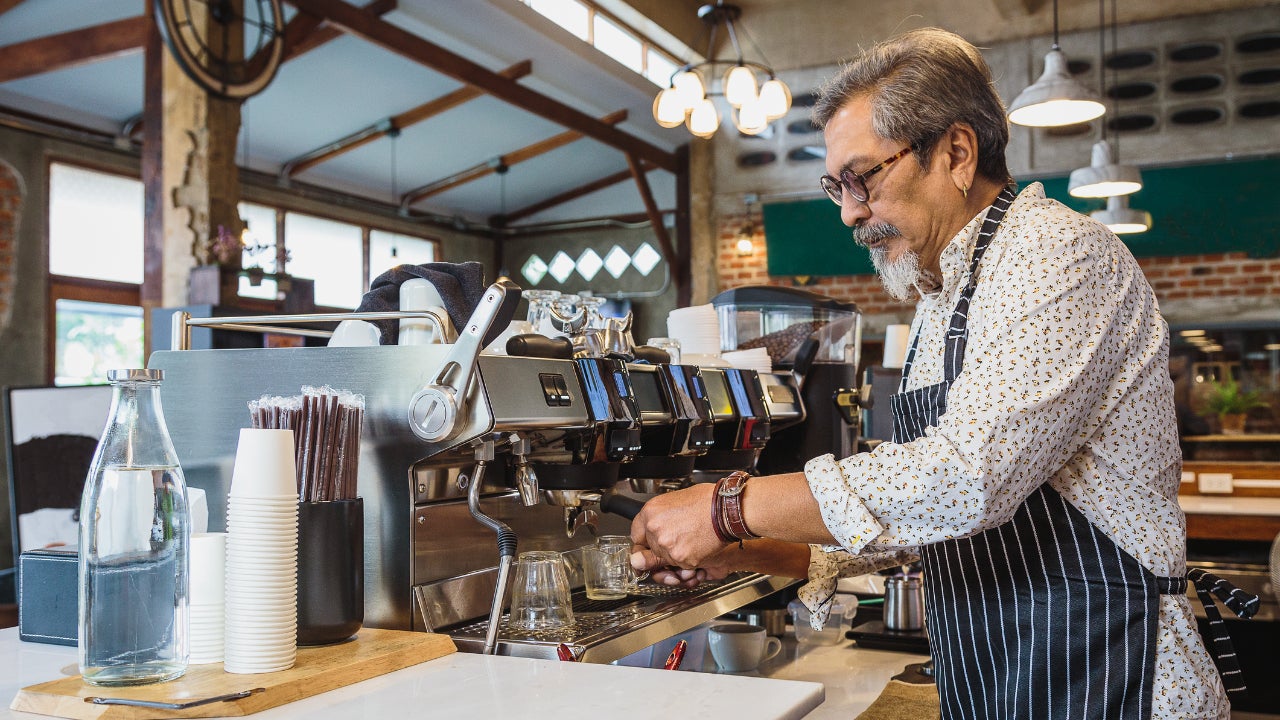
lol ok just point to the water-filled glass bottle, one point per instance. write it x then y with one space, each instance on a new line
134 540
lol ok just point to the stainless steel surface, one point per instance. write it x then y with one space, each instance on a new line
283 324
903 603
206 397
654 613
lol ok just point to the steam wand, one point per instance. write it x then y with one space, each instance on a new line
506 540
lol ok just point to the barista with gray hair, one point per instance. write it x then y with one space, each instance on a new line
1035 464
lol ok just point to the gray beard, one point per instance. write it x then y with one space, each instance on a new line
899 277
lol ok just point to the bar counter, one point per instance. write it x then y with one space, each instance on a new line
464 685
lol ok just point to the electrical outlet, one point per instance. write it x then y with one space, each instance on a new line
1215 483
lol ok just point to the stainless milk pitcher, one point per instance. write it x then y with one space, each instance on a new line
903 603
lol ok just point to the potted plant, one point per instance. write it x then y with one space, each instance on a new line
1231 405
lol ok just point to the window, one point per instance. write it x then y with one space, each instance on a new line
93 338
260 242
610 36
95 266
568 14
326 251
618 44
95 224
388 249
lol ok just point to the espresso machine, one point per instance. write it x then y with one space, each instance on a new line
467 458
815 339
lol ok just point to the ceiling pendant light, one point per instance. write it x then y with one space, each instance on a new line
753 105
1121 218
1055 99
1105 176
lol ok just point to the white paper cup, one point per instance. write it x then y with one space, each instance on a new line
208 569
355 333
264 466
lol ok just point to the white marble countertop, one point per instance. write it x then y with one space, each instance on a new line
1229 505
464 685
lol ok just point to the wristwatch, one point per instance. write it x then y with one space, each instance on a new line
729 490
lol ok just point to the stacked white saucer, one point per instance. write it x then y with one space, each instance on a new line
752 359
698 330
207 597
262 555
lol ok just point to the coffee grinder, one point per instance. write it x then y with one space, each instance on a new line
819 339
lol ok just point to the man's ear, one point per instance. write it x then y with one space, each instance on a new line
958 148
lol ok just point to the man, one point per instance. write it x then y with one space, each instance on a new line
1035 462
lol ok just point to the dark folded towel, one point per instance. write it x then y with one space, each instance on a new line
461 285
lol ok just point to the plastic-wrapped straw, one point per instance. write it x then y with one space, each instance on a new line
326 426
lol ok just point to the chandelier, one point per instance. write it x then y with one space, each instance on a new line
753 105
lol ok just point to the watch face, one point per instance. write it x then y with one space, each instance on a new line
231 49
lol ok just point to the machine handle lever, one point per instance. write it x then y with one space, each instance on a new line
434 410
627 507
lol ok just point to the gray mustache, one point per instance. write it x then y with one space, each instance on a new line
864 235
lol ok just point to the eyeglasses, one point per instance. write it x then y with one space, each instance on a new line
855 183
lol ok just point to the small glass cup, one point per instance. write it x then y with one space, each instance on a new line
607 570
540 302
540 592
670 345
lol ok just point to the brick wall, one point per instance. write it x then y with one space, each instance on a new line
10 206
1176 280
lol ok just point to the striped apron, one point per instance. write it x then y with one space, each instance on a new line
1044 616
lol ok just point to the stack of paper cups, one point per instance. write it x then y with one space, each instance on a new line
262 555
895 345
697 328
207 597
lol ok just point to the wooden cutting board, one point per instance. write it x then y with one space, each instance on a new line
318 669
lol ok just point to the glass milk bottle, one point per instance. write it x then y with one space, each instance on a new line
134 539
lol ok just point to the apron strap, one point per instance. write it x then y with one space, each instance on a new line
1239 602
958 329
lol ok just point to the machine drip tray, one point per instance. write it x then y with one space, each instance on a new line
606 630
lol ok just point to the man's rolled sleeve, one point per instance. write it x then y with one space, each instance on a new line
846 517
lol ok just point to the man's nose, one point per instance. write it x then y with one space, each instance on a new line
853 212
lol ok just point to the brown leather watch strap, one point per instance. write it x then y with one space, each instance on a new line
730 489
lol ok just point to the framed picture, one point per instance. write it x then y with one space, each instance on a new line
51 434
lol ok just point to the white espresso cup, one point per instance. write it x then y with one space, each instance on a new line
741 648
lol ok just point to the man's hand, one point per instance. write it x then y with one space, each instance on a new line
674 529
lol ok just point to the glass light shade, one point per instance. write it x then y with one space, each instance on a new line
745 247
1104 177
689 88
1121 218
775 98
750 118
667 109
1055 99
739 86
705 119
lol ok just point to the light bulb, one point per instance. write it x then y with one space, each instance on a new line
739 86
667 109
751 119
689 88
705 119
775 98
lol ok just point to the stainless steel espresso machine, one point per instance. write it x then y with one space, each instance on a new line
466 458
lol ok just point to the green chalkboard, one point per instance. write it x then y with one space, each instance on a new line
1196 209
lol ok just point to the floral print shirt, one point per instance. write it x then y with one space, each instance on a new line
1066 381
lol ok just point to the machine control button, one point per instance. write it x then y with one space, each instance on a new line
562 390
550 393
